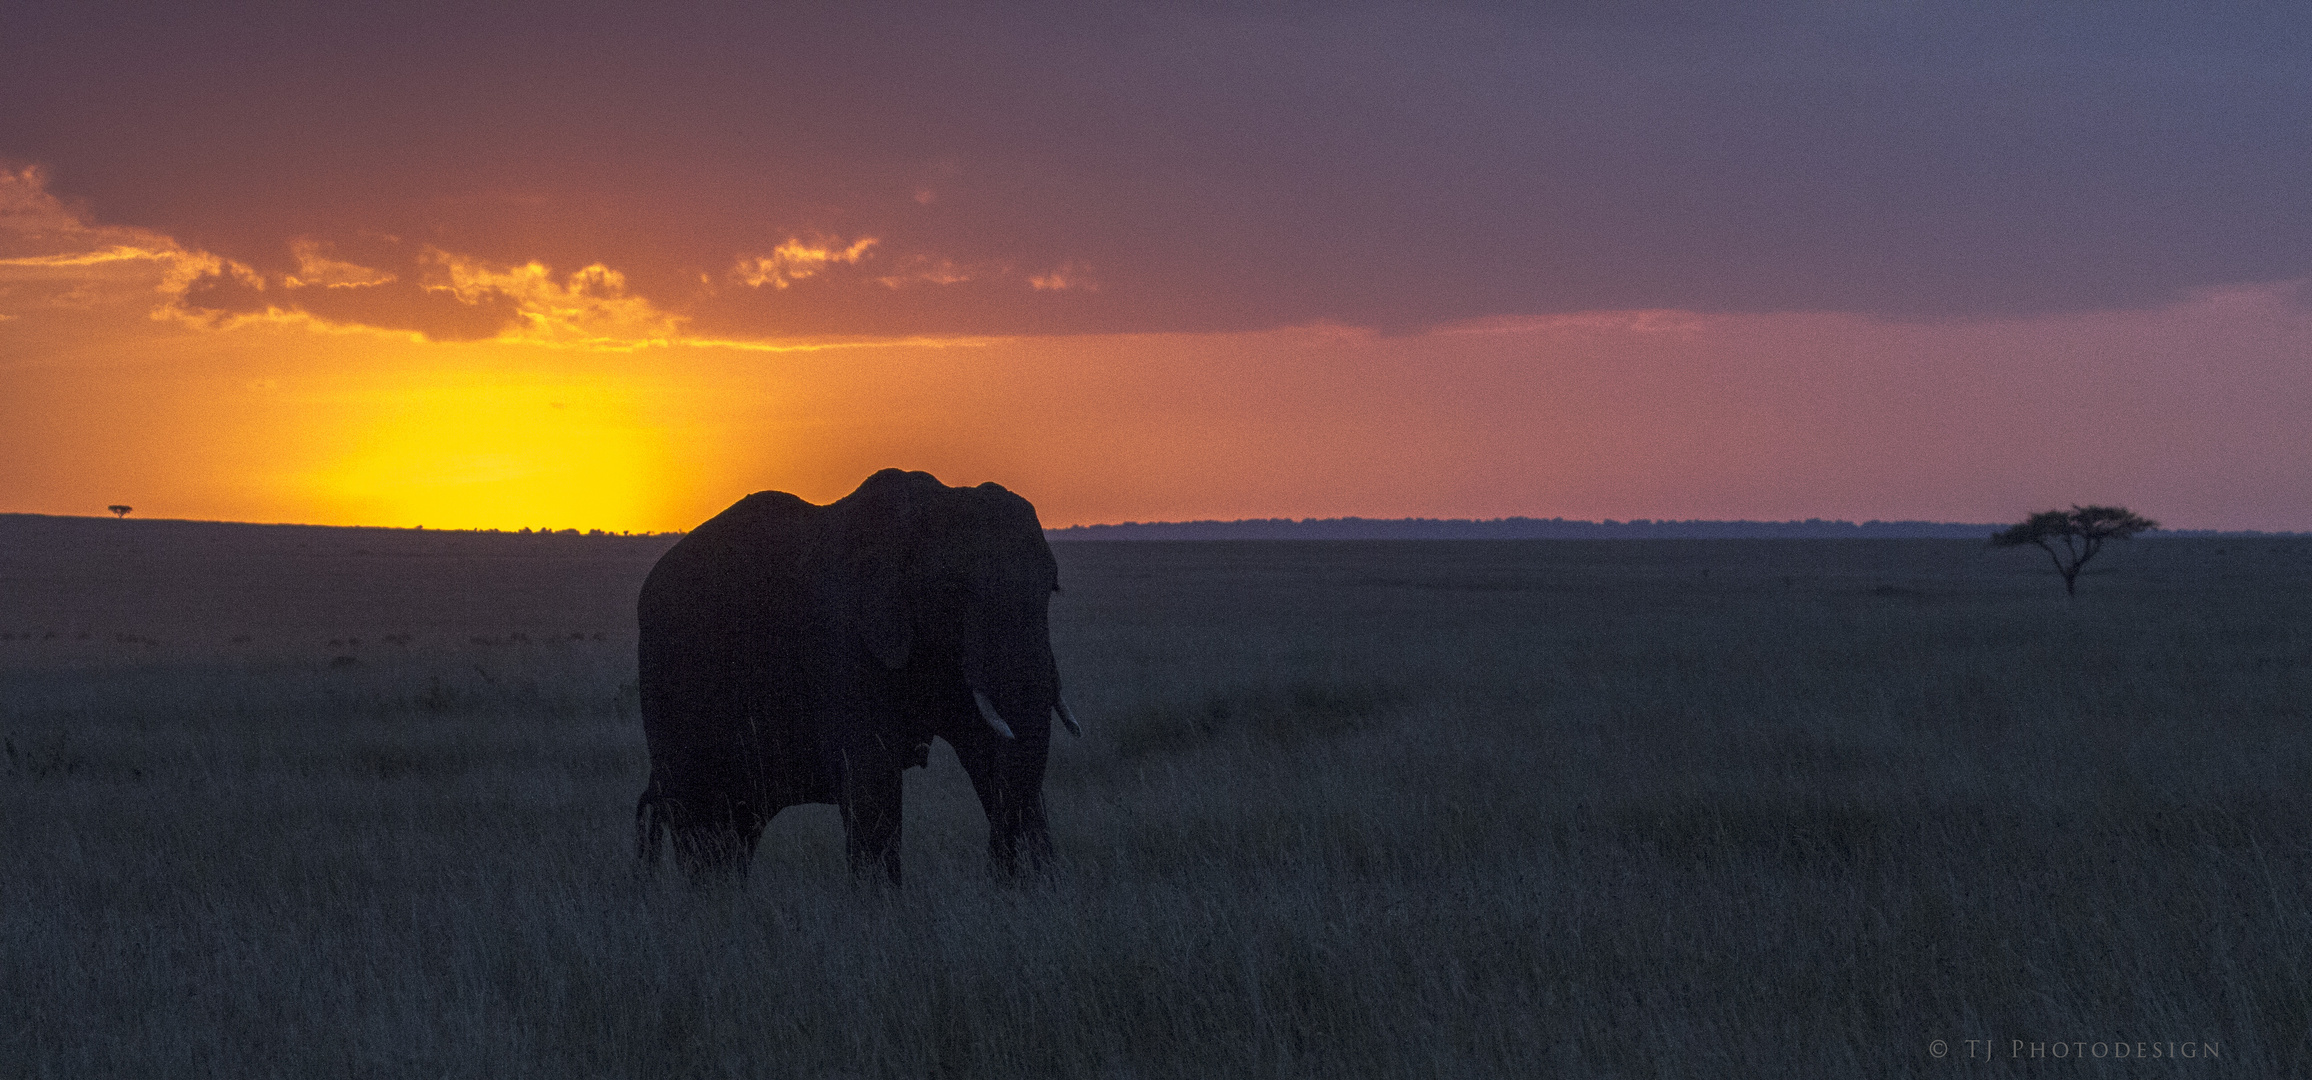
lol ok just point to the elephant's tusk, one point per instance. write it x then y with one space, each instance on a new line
1068 718
987 712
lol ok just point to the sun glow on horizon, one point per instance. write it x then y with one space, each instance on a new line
465 451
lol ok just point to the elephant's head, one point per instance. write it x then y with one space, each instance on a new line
963 577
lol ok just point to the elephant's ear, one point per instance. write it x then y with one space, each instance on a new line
878 543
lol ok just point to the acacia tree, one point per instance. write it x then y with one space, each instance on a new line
118 510
2073 537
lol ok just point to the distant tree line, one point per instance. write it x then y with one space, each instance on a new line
1524 528
1516 528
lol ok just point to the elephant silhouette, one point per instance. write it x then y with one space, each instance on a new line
793 653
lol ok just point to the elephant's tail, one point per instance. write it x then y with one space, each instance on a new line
649 824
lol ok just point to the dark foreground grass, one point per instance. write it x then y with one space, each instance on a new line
1389 809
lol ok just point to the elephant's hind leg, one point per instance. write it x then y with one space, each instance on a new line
717 844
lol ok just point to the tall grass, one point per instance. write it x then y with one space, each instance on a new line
1346 809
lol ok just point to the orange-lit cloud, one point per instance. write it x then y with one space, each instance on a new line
1068 276
317 270
591 308
50 255
796 260
925 270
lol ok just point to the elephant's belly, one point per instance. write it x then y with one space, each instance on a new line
793 769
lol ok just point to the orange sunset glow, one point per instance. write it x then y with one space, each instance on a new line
621 302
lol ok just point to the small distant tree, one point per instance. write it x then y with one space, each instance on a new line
2072 537
119 511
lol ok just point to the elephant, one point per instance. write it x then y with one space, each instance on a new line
793 653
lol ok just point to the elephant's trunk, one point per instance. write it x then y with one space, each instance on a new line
987 712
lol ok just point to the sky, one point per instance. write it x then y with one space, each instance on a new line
615 266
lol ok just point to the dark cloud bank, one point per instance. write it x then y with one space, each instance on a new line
1203 167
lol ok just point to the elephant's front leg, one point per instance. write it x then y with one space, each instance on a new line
870 801
1010 784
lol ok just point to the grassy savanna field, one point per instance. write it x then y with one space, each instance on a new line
301 802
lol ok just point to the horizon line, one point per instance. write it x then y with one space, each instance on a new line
1315 528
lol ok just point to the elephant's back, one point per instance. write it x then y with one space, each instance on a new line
739 571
